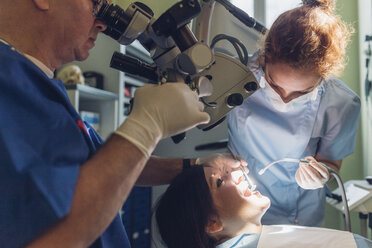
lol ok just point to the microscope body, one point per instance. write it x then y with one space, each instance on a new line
221 81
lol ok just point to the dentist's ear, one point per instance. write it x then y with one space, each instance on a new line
214 225
41 4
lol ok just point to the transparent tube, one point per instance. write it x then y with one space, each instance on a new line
293 160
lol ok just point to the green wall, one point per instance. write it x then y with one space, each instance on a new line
157 6
352 166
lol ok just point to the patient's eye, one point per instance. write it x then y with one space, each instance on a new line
219 182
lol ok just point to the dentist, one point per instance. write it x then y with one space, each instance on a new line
301 111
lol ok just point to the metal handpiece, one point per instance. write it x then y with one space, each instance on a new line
251 185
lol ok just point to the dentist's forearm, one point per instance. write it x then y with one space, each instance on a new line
104 184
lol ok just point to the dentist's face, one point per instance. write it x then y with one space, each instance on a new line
77 28
234 202
290 83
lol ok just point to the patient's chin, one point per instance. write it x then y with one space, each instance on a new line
265 203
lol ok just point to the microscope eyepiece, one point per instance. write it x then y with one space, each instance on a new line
115 19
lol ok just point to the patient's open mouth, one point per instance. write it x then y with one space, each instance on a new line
243 185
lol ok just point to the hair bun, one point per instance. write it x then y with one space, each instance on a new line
328 5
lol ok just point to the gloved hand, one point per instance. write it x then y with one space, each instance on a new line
221 160
312 175
159 112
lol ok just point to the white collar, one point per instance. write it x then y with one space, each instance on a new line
37 62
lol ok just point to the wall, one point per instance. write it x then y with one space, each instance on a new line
365 28
157 6
352 166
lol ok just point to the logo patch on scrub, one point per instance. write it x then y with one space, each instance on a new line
82 127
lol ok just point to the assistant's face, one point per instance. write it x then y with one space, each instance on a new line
290 83
234 202
77 28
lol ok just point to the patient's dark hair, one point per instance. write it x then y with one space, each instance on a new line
183 211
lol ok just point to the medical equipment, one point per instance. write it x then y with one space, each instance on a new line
330 171
343 195
294 160
222 81
251 185
359 199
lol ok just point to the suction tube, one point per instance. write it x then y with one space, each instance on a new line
343 195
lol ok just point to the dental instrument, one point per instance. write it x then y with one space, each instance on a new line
251 185
293 160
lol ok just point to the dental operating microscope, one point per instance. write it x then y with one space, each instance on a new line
222 82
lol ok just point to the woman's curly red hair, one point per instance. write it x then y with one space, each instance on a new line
309 37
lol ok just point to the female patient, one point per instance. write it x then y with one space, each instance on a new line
209 206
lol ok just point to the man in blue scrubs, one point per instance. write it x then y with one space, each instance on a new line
59 187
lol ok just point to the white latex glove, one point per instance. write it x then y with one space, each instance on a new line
159 112
311 176
220 160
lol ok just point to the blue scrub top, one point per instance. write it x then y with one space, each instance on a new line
326 125
43 143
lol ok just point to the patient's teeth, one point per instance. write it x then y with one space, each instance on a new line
242 187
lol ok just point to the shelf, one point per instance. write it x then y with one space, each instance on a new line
140 55
137 50
126 100
133 81
87 92
104 103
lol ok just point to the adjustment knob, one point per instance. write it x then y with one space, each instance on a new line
235 99
251 86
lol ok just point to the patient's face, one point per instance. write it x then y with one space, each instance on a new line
234 202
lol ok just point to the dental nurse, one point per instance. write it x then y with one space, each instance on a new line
301 111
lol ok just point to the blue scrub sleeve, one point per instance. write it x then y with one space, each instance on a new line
36 191
41 150
43 141
340 123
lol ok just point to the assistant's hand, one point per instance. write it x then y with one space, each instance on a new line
311 176
222 160
159 112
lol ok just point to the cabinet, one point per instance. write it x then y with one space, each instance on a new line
111 103
104 103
